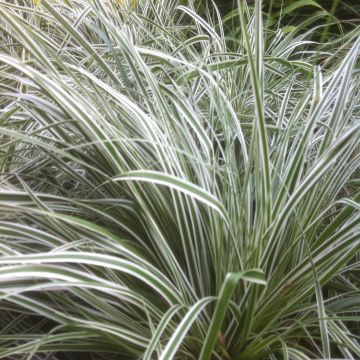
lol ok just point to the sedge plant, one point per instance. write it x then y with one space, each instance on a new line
171 189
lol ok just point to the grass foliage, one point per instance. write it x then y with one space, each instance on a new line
175 189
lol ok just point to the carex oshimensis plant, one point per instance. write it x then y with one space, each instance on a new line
166 196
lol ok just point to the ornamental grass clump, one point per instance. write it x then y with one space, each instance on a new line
173 189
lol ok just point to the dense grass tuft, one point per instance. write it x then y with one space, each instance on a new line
175 187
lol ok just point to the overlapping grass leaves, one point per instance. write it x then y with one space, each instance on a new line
165 197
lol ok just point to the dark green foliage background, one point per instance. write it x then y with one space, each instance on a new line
346 9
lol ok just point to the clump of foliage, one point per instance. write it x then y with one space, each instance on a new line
172 190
